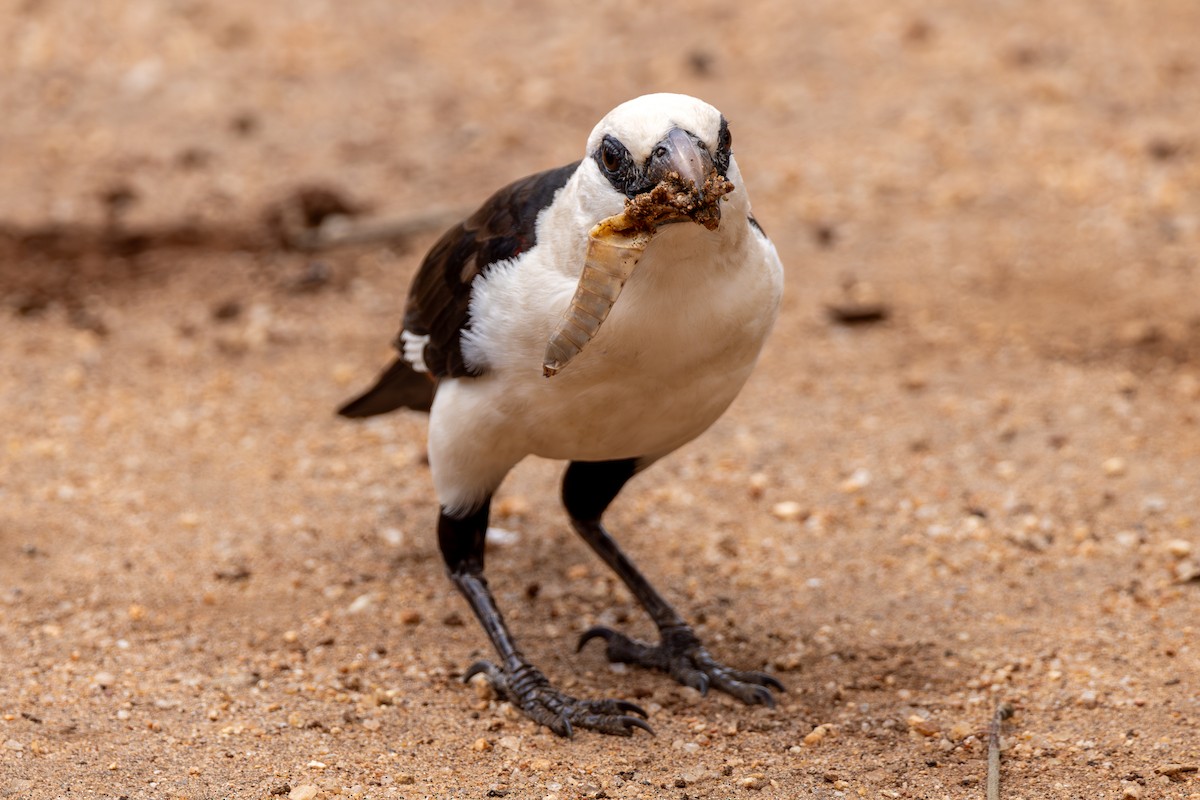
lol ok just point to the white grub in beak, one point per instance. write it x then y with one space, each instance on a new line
613 251
615 245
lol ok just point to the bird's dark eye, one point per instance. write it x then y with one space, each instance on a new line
724 143
724 140
611 155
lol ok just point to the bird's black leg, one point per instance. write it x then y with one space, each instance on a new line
588 488
461 539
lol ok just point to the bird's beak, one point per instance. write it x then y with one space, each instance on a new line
679 153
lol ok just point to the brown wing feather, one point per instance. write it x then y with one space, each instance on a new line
440 297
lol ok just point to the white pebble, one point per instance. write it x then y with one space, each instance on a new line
361 603
393 536
1179 548
502 537
788 510
858 480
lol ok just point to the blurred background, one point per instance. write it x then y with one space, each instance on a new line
967 467
936 136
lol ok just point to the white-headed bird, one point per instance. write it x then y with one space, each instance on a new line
664 361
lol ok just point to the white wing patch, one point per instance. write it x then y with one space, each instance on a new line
413 349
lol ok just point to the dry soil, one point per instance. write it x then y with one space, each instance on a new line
211 587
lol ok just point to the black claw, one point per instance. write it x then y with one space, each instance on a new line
763 696
769 680
567 731
591 633
634 722
480 668
702 684
625 705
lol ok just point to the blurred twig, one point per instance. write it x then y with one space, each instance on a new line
340 231
1003 712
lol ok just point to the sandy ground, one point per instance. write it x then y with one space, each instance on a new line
211 587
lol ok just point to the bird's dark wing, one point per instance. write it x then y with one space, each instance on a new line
439 300
503 227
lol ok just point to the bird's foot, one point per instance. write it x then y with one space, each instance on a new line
527 688
681 655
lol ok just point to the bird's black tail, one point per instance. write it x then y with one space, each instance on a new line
400 386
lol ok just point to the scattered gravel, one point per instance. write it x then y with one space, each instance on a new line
211 587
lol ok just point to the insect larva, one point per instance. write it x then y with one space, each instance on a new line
613 252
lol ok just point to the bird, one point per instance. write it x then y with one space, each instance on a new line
676 349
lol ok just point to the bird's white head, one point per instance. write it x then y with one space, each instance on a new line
641 141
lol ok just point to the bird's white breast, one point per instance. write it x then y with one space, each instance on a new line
672 355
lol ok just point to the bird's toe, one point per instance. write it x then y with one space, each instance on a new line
681 655
526 688
619 648
494 675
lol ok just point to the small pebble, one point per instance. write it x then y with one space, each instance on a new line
1127 539
788 511
502 537
1114 467
410 616
305 792
817 735
361 603
481 745
959 731
858 480
1178 772
1154 505
756 782
1187 571
923 726
393 536
1130 790
1179 548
